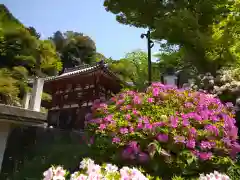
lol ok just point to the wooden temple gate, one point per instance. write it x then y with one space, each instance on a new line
74 92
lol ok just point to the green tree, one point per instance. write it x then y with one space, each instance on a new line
22 55
206 30
74 48
99 57
33 32
134 68
9 90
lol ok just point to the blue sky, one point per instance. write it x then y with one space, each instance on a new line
86 16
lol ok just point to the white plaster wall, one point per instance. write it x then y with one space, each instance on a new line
170 80
4 131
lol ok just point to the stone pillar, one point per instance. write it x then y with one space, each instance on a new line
4 131
35 102
26 100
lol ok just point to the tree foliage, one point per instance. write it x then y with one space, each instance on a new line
74 48
8 88
206 31
22 55
134 68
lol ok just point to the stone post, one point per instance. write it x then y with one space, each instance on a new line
35 102
26 100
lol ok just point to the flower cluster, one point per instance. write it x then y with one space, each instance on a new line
177 120
214 176
226 82
90 170
55 173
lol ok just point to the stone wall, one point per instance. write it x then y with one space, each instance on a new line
11 118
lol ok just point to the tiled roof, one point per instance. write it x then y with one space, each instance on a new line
79 71
85 69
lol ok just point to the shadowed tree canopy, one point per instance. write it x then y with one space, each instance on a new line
74 48
206 31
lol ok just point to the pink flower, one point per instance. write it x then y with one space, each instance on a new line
173 121
102 126
135 112
136 100
131 129
59 171
48 175
108 118
128 116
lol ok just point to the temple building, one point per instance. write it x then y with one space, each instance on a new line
74 91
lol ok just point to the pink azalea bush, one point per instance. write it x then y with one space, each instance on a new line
91 171
168 127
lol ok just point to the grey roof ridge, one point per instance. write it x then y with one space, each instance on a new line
72 73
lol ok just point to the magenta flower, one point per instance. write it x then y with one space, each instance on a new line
116 140
173 121
140 126
212 129
158 124
162 137
205 145
131 129
155 92
184 119
134 146
127 153
91 141
123 130
143 157
235 149
150 100
205 155
185 122
148 126
191 143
